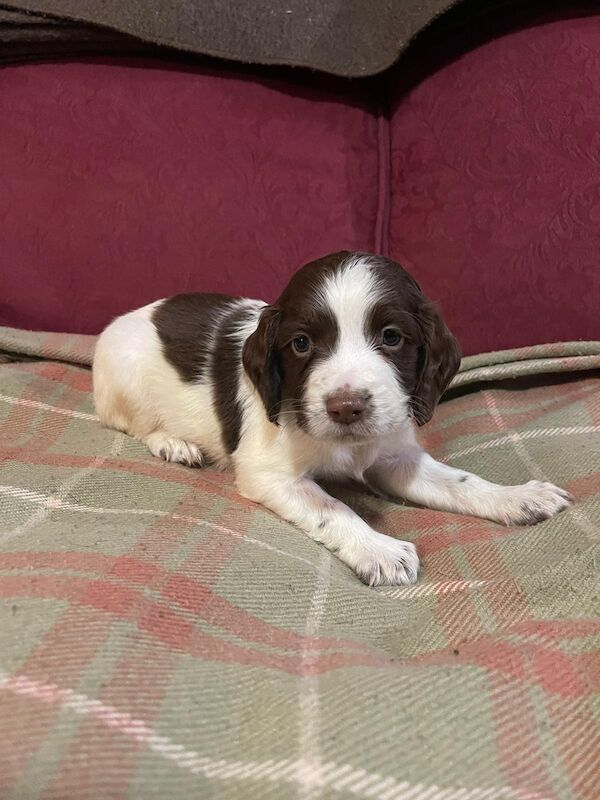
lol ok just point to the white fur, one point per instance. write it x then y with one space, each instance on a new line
136 390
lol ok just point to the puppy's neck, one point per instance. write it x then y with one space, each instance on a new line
348 458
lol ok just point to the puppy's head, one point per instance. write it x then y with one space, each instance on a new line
351 349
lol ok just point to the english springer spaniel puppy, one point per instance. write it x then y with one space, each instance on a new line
329 382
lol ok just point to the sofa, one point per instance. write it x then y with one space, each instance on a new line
162 637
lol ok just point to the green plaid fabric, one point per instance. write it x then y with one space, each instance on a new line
160 637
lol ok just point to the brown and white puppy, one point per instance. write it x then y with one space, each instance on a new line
326 383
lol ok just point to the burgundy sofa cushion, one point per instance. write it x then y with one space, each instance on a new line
496 190
125 182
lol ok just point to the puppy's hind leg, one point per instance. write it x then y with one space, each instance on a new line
176 450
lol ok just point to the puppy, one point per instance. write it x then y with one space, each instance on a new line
329 382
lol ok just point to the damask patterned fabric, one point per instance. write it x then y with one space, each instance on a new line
161 637
496 190
126 183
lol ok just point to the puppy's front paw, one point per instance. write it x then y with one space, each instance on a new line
391 562
534 502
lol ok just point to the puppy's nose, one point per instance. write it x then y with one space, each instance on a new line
346 407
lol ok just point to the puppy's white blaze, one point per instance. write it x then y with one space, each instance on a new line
350 295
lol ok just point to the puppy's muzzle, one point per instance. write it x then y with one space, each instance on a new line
346 407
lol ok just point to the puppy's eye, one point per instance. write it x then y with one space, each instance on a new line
301 344
391 337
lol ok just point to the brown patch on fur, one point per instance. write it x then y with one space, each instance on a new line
439 360
429 356
276 370
225 373
186 325
261 361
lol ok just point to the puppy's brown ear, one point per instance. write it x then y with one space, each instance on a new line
260 360
439 359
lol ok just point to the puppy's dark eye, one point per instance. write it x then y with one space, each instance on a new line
391 337
301 344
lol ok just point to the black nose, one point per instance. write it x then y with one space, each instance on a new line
346 407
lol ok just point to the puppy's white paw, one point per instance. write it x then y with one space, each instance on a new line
391 562
533 502
175 450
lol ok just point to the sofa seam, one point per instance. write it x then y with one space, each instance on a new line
384 188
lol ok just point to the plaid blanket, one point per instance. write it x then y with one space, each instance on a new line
162 637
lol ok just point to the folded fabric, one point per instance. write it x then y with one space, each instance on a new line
343 37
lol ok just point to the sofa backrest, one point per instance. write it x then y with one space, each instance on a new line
495 196
126 181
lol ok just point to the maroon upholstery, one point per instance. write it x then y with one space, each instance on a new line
127 183
496 195
122 183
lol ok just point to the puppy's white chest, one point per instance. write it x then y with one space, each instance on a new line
343 460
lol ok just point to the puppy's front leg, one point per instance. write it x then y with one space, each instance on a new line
416 476
376 559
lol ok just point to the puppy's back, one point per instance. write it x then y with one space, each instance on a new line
126 351
171 370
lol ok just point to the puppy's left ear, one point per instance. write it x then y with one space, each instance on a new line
259 357
439 359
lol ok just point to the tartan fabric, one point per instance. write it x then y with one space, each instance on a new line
161 637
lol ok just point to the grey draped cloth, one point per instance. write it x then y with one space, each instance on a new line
351 38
